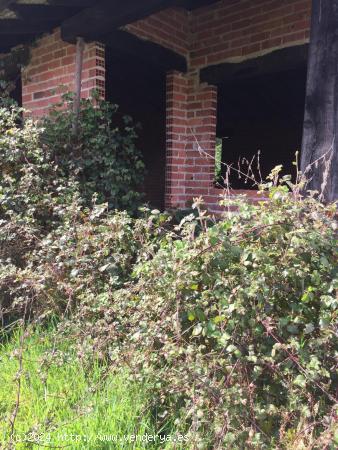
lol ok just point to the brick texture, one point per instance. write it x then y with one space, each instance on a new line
191 134
227 31
51 72
169 28
234 30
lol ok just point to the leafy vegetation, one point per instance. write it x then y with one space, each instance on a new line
229 325
102 153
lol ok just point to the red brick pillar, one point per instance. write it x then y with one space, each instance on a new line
191 140
176 139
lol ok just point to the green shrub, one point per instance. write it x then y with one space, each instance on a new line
102 153
33 190
47 177
236 326
234 322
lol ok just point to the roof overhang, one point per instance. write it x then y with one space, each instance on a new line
23 21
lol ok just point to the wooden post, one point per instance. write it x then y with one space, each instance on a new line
78 82
319 159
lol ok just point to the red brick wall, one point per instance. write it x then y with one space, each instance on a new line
229 30
51 72
238 29
169 28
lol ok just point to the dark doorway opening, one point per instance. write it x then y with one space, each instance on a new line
139 90
260 119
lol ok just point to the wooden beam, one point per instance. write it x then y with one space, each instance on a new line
17 27
143 50
278 61
319 159
27 11
5 3
195 4
72 3
108 15
64 3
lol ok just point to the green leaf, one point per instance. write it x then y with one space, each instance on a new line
224 338
300 381
191 316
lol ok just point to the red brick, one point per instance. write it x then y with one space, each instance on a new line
51 67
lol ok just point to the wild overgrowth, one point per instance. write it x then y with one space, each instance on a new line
102 153
231 324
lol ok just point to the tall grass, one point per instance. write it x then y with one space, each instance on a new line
61 402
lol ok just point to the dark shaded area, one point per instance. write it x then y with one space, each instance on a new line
265 114
16 93
139 90
289 58
151 53
108 15
86 18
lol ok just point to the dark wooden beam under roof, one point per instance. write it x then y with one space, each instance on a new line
278 61
146 51
72 3
195 4
21 22
43 12
107 15
17 27
40 16
5 3
71 6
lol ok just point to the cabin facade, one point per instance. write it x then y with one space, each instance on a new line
237 72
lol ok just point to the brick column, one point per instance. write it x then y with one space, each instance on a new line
202 121
191 139
176 139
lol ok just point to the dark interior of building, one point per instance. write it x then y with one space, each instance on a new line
16 93
139 90
261 114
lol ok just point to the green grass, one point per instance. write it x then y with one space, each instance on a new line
60 397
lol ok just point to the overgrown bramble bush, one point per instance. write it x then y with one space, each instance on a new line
82 262
102 153
33 190
34 194
234 322
236 326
